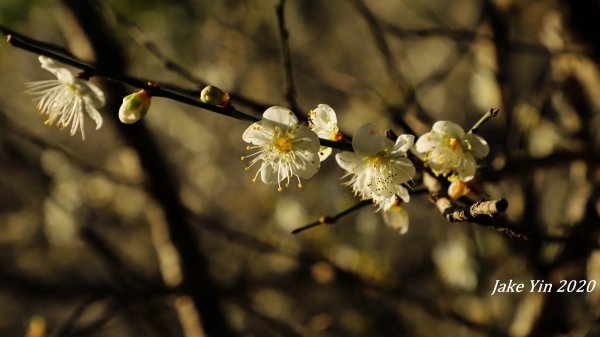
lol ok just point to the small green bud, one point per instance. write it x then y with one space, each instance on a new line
134 107
215 96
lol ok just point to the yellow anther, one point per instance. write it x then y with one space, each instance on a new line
299 185
242 157
254 180
279 189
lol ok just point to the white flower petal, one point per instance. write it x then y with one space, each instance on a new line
384 202
281 115
268 174
257 134
348 161
402 192
448 128
404 170
403 144
310 167
324 153
305 139
62 74
367 141
426 142
325 116
477 145
95 116
467 167
91 93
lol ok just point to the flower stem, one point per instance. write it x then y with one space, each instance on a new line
330 220
492 113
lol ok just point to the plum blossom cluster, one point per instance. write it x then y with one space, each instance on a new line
284 150
379 168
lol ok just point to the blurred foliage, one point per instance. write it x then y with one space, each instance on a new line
61 199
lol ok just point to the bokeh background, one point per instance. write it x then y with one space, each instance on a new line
142 229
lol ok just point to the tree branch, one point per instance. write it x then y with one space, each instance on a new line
479 212
286 60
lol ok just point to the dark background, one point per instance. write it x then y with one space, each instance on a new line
141 228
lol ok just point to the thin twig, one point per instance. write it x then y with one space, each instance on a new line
407 92
65 328
492 113
471 36
95 326
331 219
383 47
346 278
286 59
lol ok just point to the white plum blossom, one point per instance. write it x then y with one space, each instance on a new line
66 99
285 148
448 150
323 122
378 168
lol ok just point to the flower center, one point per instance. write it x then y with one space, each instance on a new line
454 144
376 160
283 144
72 88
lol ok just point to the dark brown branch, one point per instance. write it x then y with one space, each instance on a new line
286 60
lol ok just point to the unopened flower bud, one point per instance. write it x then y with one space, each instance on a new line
458 189
134 107
215 96
396 218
